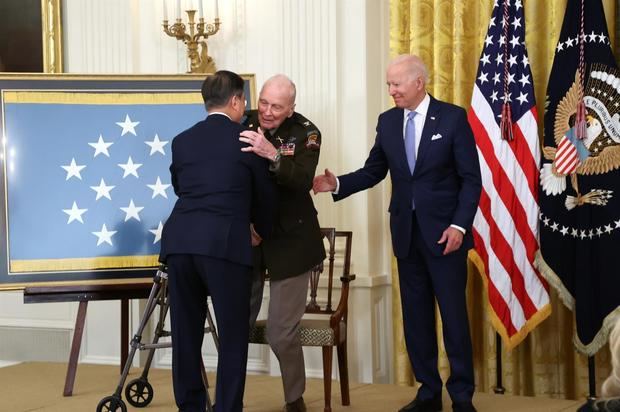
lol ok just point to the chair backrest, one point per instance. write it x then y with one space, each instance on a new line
335 239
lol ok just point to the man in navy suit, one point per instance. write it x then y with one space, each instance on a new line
206 243
430 152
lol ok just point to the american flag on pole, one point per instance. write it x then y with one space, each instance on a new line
504 120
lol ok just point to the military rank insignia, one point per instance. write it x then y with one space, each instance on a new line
313 141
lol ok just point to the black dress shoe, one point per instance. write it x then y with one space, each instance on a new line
463 407
423 405
297 406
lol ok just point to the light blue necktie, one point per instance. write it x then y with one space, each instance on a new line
410 141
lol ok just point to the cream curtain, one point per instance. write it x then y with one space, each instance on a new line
448 35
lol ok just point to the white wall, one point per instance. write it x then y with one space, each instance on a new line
336 52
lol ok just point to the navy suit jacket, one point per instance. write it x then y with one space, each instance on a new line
221 190
445 184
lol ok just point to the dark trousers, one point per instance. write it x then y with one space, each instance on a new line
191 279
425 277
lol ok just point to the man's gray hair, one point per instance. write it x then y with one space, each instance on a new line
415 65
282 80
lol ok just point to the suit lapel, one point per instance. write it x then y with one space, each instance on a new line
430 125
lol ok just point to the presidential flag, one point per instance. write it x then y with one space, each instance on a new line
580 177
87 178
504 121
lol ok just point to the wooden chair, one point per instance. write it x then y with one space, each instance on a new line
323 325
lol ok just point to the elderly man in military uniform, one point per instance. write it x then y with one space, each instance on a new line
292 144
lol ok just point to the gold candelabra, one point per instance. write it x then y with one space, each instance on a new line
200 62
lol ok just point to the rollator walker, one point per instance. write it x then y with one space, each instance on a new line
139 392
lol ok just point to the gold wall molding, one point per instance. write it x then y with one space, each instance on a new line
51 28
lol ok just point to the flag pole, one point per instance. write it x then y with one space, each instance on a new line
499 389
591 378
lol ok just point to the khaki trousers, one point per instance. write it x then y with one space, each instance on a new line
287 303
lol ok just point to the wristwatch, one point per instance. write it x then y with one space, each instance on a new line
276 157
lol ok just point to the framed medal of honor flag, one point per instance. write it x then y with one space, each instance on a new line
85 182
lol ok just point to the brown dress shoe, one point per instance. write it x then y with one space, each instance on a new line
296 406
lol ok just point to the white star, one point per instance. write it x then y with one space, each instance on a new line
130 168
128 126
525 79
514 41
494 96
564 230
483 77
617 222
159 189
73 170
592 36
560 47
569 42
499 59
485 59
608 228
574 232
488 40
516 22
492 22
522 97
546 221
102 190
132 211
591 233
554 226
601 37
599 231
157 232
101 147
157 145
511 78
506 99
512 60
75 213
104 235
518 4
583 234
496 78
502 39
525 61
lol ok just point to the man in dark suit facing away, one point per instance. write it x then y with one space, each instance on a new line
206 243
430 152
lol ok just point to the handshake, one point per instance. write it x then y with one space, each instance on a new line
324 183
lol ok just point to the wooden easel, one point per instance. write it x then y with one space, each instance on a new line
84 294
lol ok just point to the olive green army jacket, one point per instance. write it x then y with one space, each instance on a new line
296 244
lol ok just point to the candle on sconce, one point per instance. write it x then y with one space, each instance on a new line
217 10
165 10
179 9
200 11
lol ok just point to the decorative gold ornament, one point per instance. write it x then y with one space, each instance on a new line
200 62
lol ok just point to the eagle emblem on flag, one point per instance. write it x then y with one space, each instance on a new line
598 152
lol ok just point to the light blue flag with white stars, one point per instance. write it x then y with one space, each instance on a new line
88 185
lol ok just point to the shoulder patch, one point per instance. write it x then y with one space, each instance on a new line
313 140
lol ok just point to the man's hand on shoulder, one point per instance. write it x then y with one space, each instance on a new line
453 238
258 144
324 183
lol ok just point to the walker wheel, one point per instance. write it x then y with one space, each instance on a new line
111 404
139 392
